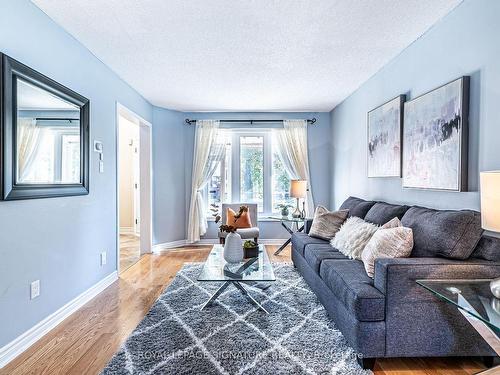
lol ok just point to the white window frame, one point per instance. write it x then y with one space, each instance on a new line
235 168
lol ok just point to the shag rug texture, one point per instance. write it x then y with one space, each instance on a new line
232 336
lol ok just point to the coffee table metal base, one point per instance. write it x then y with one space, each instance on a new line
238 285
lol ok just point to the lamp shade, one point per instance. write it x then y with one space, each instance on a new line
490 200
298 188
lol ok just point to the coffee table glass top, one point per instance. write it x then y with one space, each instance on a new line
288 219
472 296
250 269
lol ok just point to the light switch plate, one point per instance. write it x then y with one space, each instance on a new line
35 289
101 167
98 147
103 258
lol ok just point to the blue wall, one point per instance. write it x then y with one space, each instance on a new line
169 169
465 42
58 240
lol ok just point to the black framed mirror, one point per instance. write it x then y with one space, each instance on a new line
44 135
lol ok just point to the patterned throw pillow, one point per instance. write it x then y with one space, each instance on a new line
327 223
388 242
353 236
242 222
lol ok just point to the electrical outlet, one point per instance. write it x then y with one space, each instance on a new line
103 258
35 289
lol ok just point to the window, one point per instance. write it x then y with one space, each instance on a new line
250 172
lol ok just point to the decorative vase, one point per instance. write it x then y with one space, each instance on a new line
284 212
233 248
495 287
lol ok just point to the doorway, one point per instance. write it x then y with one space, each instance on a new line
133 187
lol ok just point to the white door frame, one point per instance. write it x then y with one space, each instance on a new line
146 182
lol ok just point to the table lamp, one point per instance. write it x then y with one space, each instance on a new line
298 189
490 211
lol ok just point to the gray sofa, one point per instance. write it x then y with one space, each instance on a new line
390 315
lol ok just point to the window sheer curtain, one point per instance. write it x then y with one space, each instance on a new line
291 144
29 136
208 152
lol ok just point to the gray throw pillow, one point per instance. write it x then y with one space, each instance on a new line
327 223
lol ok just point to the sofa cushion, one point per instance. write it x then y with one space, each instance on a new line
382 212
488 248
315 254
300 240
349 282
356 206
447 233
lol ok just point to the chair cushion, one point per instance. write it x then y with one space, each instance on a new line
356 206
315 254
382 212
245 233
349 282
488 248
447 233
300 240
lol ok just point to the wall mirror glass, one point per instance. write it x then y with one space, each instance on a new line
45 144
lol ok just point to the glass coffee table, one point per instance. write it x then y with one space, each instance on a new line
473 298
257 272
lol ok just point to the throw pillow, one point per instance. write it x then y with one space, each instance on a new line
393 223
242 222
391 242
327 223
353 236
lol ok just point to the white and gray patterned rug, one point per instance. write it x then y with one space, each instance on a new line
232 336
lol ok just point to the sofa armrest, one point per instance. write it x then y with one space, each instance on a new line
396 277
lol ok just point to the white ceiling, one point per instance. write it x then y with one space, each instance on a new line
246 55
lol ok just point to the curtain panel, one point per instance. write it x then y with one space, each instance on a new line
293 153
208 152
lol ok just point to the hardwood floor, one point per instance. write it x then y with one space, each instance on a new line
87 340
130 250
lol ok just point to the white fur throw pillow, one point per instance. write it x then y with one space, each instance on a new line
395 242
353 236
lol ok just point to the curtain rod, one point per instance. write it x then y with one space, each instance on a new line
309 121
56 119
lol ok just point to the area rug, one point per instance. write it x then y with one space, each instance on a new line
232 336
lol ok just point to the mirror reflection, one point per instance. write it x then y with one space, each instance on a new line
48 137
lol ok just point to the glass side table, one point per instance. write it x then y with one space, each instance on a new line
291 225
477 304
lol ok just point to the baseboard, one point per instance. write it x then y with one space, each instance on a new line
28 338
207 241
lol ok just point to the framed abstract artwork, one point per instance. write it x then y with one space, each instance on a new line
435 138
384 139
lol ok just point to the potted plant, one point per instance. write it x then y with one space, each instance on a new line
284 209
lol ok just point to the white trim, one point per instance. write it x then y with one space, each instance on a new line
121 110
159 248
35 333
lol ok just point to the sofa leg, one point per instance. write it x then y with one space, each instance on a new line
366 363
489 362
256 239
222 240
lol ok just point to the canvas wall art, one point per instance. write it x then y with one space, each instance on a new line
435 138
384 139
